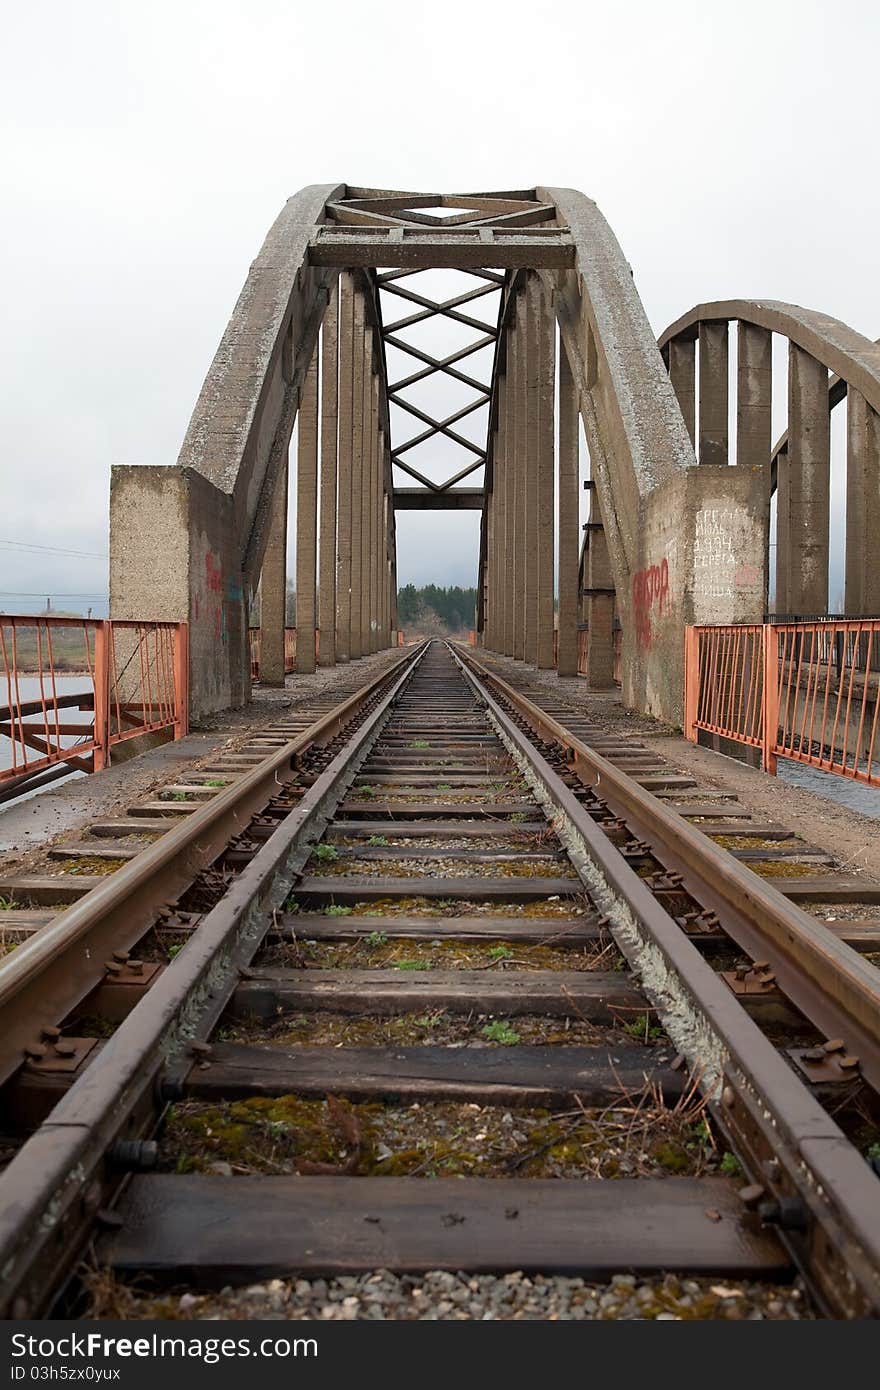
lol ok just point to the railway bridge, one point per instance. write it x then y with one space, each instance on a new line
360 987
552 339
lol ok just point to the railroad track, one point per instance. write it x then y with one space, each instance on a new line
458 962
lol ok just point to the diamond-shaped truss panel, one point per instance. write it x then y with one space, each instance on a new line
439 400
439 329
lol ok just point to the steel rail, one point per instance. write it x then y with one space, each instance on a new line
812 1183
60 965
829 982
60 1183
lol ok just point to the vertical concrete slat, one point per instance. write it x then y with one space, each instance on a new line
357 466
783 533
382 557
509 496
329 419
364 489
519 482
600 609
754 395
307 519
343 535
809 453
273 589
386 546
754 400
499 481
683 375
862 594
569 509
544 465
375 529
533 433
713 392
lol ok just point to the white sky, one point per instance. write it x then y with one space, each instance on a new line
147 148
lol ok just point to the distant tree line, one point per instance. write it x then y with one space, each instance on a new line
451 608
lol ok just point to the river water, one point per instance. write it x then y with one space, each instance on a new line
29 689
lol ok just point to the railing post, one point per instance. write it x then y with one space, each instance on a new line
691 682
770 697
103 638
181 680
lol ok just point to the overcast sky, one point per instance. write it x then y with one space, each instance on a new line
147 148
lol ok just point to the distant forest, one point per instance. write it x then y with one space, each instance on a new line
430 607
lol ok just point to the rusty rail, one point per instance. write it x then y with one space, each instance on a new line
791 1147
62 1169
131 679
52 972
808 691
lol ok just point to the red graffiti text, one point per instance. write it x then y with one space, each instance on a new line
650 591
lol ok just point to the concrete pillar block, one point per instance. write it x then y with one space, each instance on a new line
195 575
701 560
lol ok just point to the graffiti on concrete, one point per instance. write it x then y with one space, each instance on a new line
650 595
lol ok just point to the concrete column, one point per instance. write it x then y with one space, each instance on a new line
376 558
499 482
544 467
507 402
383 549
862 506
533 435
569 530
519 485
809 451
329 412
600 612
386 558
364 491
754 398
273 590
487 527
754 386
343 525
357 474
713 392
683 375
307 519
783 533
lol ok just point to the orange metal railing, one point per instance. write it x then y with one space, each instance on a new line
809 691
71 688
255 636
616 652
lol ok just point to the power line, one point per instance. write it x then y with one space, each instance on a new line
55 550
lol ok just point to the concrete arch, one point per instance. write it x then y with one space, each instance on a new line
192 537
848 354
672 529
828 361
